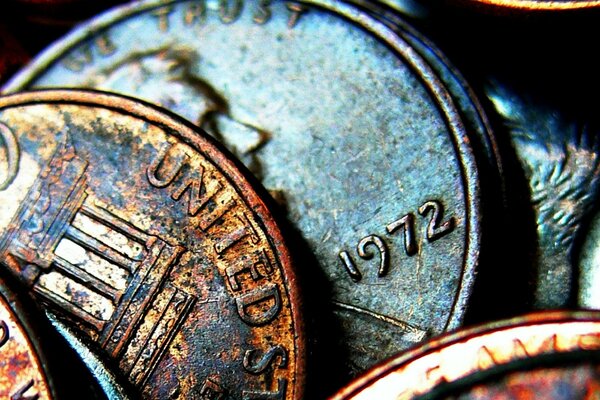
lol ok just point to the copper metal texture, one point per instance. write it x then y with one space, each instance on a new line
141 234
35 362
533 5
476 354
546 379
23 371
340 118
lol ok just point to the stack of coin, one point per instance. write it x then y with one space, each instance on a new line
340 195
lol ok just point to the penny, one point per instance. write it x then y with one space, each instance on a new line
31 354
533 5
340 118
140 234
22 369
474 354
546 379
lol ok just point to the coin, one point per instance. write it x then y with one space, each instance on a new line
560 157
142 235
31 353
340 118
560 379
473 354
533 5
22 370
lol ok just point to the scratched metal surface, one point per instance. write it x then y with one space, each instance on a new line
32 354
340 119
490 362
146 241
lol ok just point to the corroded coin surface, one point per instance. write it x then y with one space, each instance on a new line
23 374
476 354
141 234
340 118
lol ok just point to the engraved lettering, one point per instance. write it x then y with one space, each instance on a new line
230 10
211 390
246 230
263 13
589 341
258 268
162 15
258 366
216 213
361 248
253 306
12 156
367 255
434 375
436 229
4 335
79 59
20 394
485 358
276 395
519 348
195 12
160 161
199 194
550 344
353 271
105 46
296 10
85 55
407 223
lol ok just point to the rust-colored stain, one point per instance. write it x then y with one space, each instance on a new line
489 361
141 233
21 373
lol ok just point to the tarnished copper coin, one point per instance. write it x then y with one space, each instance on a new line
138 232
533 5
342 119
575 376
473 354
23 373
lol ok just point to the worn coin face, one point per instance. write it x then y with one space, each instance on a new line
139 233
340 118
475 354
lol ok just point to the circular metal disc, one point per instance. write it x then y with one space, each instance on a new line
473 354
140 233
534 5
23 370
340 118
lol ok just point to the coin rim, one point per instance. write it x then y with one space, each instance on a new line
439 95
243 183
29 325
448 339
